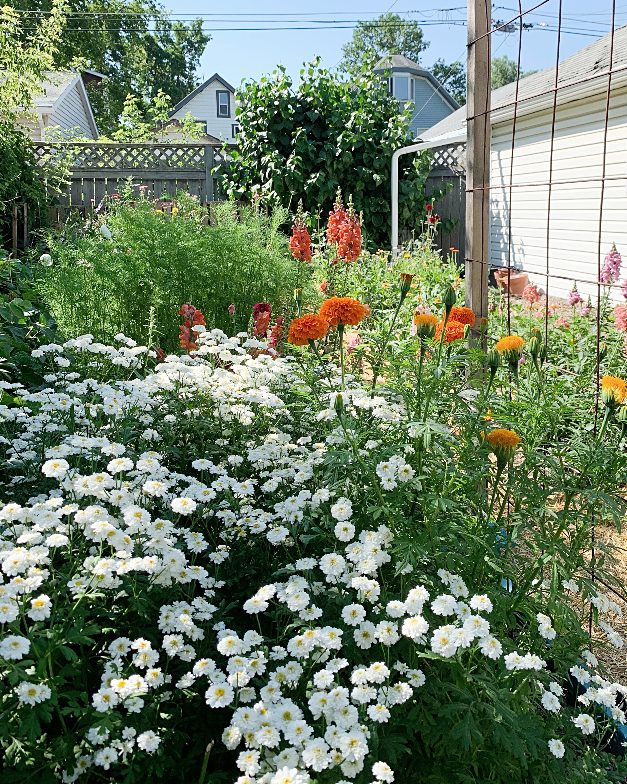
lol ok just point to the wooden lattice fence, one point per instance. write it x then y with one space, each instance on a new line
448 171
97 170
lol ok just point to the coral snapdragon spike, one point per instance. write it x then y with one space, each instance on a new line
337 216
192 317
300 242
349 242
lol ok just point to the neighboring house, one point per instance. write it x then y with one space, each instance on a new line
521 218
63 106
213 103
408 82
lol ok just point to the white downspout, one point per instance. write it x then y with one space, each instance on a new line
395 157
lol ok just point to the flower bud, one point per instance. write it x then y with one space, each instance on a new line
406 279
493 361
450 298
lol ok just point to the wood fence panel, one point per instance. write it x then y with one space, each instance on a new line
448 172
99 170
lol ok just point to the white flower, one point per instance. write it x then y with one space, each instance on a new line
550 702
39 608
414 627
342 509
183 505
490 647
32 693
383 772
45 260
119 464
481 603
556 747
14 647
290 776
344 531
353 614
378 713
585 723
148 741
219 695
55 468
444 605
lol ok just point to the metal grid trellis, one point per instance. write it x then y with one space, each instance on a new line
508 168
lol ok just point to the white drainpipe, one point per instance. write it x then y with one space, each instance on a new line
395 158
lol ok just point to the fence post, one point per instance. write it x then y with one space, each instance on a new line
478 156
209 195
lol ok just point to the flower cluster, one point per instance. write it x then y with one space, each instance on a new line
300 241
193 323
610 271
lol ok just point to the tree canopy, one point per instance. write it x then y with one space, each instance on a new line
132 42
387 34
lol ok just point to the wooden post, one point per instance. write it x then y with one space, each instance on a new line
14 232
478 156
209 195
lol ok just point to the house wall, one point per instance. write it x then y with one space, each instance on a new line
429 107
204 107
573 222
69 114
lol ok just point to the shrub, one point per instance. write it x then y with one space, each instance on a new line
306 141
112 272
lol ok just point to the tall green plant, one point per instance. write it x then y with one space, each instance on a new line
107 274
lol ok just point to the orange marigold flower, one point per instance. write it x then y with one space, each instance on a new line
613 390
462 315
306 328
343 310
503 443
426 324
455 330
510 343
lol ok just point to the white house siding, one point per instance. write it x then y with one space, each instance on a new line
578 152
430 107
70 115
204 106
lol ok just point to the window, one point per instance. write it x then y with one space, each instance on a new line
234 130
223 98
401 87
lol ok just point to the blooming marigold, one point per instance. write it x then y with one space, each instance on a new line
613 390
343 310
509 343
306 328
426 324
503 443
462 315
455 330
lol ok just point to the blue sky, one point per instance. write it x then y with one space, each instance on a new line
238 54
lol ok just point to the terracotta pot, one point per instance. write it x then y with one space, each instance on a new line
516 281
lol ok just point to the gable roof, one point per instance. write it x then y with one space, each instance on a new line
215 78
396 63
580 75
57 84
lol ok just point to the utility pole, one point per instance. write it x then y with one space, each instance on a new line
478 156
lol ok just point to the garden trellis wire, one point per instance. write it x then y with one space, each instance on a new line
524 182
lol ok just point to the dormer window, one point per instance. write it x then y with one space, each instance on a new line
223 98
401 88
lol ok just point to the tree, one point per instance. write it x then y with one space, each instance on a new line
387 34
131 42
22 64
504 71
452 77
307 140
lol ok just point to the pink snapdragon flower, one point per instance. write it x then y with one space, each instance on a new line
574 297
620 318
611 266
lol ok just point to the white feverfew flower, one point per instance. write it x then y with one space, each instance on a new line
353 614
33 693
342 509
383 772
556 747
550 702
491 647
40 608
183 505
55 468
585 723
414 627
14 647
287 775
219 695
344 531
148 741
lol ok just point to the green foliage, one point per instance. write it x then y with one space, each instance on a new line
155 260
133 43
453 77
386 35
22 65
24 325
504 71
142 121
307 140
